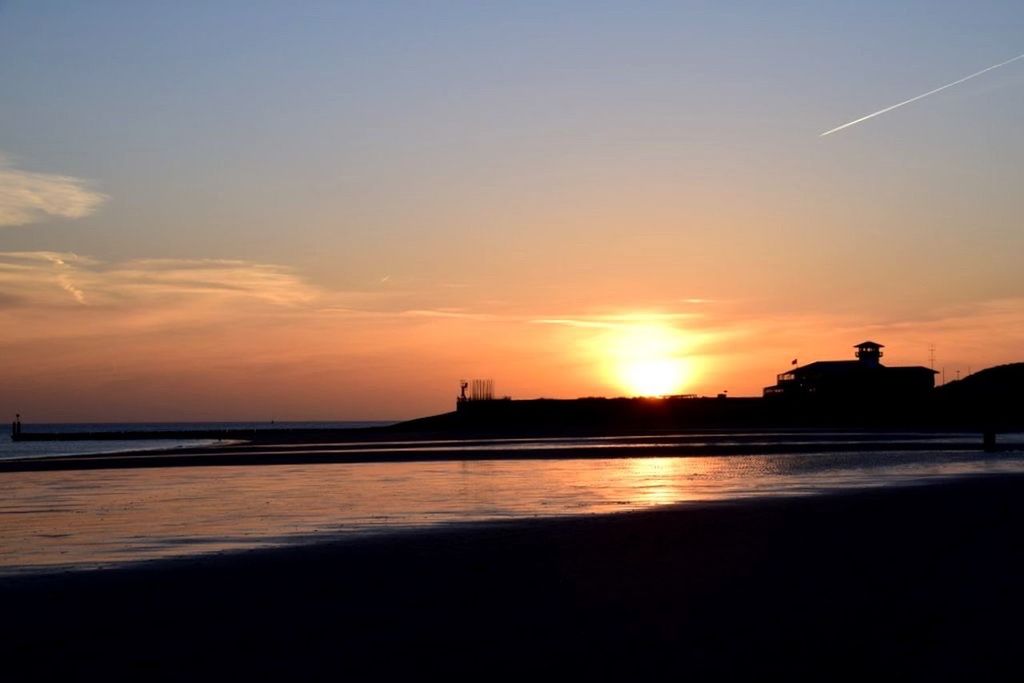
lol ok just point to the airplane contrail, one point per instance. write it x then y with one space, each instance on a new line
915 99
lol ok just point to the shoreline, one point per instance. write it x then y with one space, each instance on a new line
446 531
448 450
449 530
915 579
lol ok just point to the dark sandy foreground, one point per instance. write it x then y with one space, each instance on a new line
923 581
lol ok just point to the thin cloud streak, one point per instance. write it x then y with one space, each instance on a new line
43 280
28 197
615 320
446 313
568 322
922 96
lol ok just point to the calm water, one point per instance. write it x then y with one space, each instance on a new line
89 519
42 449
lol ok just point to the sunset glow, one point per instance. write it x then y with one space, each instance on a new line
648 360
341 220
606 336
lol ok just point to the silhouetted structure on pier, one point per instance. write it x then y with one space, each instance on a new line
854 380
480 391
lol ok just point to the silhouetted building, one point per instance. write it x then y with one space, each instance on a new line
864 378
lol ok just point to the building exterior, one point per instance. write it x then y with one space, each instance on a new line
846 380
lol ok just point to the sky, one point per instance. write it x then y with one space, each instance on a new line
272 210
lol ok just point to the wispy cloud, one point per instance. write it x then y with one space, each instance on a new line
29 197
612 320
44 280
449 313
571 322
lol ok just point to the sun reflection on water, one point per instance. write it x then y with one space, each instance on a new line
661 481
89 518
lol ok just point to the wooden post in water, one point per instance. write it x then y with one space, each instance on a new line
988 440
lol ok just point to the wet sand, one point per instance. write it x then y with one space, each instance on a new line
922 580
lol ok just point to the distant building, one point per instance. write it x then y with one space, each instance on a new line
864 378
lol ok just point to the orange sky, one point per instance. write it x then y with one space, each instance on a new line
339 211
189 340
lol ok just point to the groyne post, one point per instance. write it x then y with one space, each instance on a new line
988 440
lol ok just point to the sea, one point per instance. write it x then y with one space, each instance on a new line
32 449
85 520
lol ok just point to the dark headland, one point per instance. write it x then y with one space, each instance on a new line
989 399
986 403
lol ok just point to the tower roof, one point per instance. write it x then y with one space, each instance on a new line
868 343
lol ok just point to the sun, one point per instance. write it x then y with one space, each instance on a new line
653 377
648 359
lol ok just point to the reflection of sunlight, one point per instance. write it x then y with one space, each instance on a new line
114 516
647 359
660 481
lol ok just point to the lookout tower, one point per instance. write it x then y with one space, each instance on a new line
869 353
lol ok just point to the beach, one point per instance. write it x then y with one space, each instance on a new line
918 580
